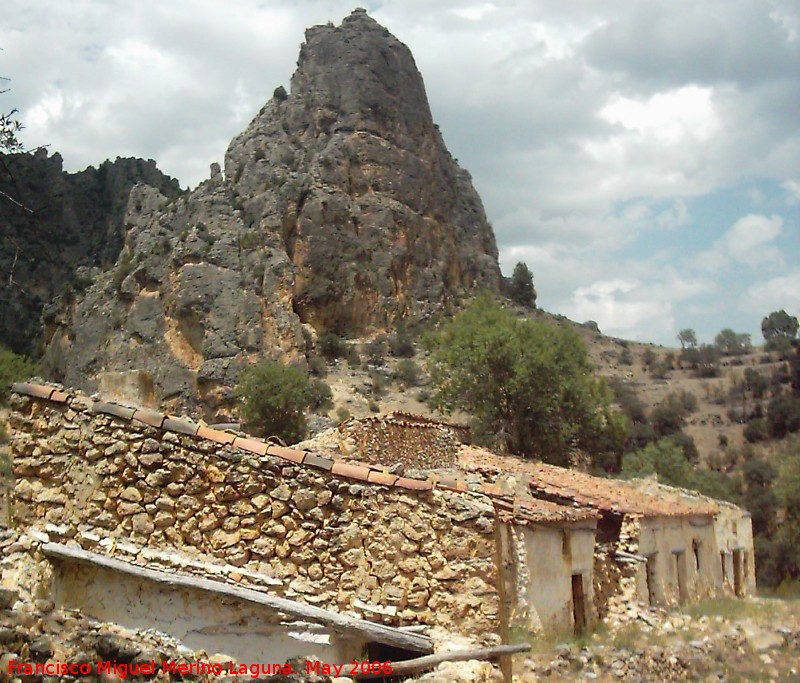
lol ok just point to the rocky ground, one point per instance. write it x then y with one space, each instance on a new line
717 641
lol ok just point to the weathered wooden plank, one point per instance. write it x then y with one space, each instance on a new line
407 666
339 622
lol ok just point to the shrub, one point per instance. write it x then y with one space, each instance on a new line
321 395
13 368
273 400
408 372
756 430
783 416
376 350
331 347
378 384
353 358
374 407
318 367
342 414
401 346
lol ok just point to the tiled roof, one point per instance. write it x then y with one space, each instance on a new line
607 495
507 507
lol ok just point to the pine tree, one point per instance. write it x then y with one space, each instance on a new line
521 290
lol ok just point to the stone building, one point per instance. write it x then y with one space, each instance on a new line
152 520
657 547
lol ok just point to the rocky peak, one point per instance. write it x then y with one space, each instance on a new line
377 217
340 207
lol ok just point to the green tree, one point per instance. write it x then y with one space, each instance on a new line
13 368
666 460
732 343
783 415
787 491
688 338
528 384
274 398
779 327
521 290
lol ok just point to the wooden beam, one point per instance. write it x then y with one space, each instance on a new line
406 666
339 622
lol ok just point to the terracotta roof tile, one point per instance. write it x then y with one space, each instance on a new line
252 445
60 396
35 390
149 417
414 484
290 454
180 425
446 482
216 435
383 478
609 495
318 461
108 408
343 469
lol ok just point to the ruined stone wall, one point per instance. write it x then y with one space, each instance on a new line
390 440
396 555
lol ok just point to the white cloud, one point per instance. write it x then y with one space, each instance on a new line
749 237
590 128
792 188
782 292
749 241
667 118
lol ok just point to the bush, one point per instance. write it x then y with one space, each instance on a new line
342 414
666 459
321 395
331 347
353 359
376 350
378 384
273 400
756 430
13 368
401 346
318 367
408 372
783 416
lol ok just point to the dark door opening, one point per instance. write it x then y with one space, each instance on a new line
381 652
680 574
738 582
578 604
650 576
724 569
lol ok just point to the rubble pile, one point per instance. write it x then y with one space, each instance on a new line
677 647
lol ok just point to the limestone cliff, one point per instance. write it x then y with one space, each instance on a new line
339 207
57 229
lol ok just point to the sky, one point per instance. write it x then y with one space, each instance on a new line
643 158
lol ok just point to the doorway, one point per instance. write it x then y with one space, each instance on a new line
650 578
680 574
578 604
738 579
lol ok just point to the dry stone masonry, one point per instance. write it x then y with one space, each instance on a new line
410 556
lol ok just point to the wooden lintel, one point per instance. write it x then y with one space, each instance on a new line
338 622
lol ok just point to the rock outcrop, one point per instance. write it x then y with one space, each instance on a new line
59 230
339 208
